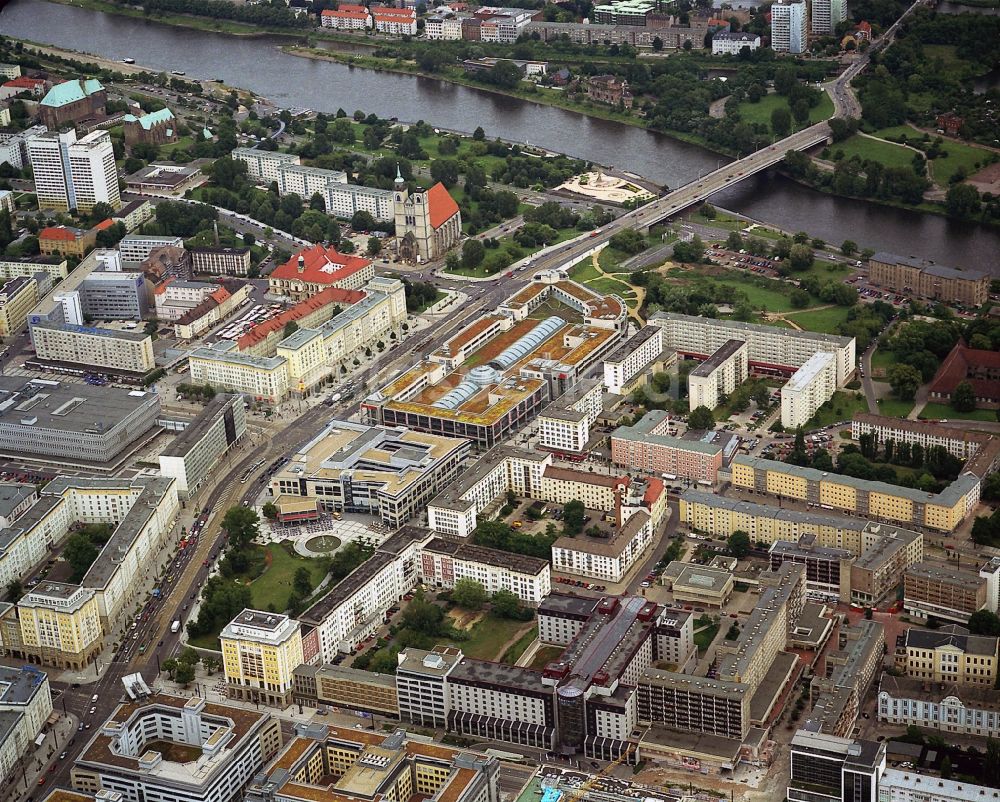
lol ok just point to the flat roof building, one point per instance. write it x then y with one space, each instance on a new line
719 375
647 446
260 650
632 359
943 593
811 386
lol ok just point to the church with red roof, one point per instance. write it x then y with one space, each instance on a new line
314 269
428 223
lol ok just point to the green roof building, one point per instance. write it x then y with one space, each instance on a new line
72 101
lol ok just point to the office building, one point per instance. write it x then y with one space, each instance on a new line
316 268
727 43
76 423
388 472
112 350
867 499
951 709
837 695
564 425
907 785
60 625
628 365
950 594
74 174
810 387
826 15
220 303
225 368
17 298
260 650
352 766
428 222
340 686
201 446
178 748
25 707
828 570
788 26
647 446
624 12
908 276
719 375
174 298
72 101
113 295
699 584
135 249
168 180
949 655
771 350
221 261
833 769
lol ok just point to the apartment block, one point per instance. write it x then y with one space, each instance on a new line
56 268
106 349
950 594
564 425
17 298
260 650
74 174
25 707
810 387
632 359
443 562
221 261
719 375
646 446
788 26
264 165
200 447
825 15
961 443
909 276
135 248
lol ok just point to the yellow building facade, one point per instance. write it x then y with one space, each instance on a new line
260 650
60 624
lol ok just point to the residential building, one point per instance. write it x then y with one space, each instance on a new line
315 268
74 174
826 15
886 553
10 71
260 650
216 307
156 128
564 425
838 695
719 375
199 448
134 213
72 101
609 559
64 241
347 17
979 368
175 298
629 364
446 27
831 768
788 26
908 276
389 472
646 446
949 655
221 261
868 499
264 164
624 12
225 368
60 625
208 752
112 350
951 709
7 201
17 298
369 765
343 200
428 223
136 249
394 21
14 145
340 687
907 785
771 350
25 86
444 561
673 36
609 89
810 387
25 706
15 500
961 443
726 43
54 267
949 594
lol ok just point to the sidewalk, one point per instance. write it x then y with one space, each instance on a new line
36 761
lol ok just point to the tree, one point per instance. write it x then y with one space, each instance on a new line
799 298
374 246
469 594
963 398
423 616
904 380
270 510
849 247
14 591
800 257
241 524
962 200
734 242
290 328
739 544
183 673
302 581
984 622
189 656
445 171
362 221
169 666
691 252
479 134
701 418
574 517
506 604
945 768
781 121
80 553
473 253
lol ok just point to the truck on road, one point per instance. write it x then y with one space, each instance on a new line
176 626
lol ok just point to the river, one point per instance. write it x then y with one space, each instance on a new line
258 65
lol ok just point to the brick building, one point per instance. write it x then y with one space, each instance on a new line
71 101
609 89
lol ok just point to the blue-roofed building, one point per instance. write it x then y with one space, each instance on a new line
71 101
156 128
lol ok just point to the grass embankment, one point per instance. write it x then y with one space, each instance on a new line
946 412
761 111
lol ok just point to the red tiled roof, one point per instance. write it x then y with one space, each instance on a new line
322 266
384 12
863 26
654 489
959 364
220 295
442 206
162 288
330 295
25 82
59 233
346 12
104 224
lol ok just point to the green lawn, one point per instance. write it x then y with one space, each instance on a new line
514 652
760 297
882 360
886 153
703 638
761 112
824 320
841 407
584 271
894 408
488 637
958 155
545 655
274 586
825 271
945 412
610 285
